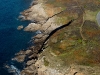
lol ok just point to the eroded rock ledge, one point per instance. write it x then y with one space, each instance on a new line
69 38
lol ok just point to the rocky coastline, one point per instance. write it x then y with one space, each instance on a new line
43 22
47 18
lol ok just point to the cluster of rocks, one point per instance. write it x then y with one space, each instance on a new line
30 56
44 20
45 23
41 21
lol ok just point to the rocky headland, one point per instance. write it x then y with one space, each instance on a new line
68 39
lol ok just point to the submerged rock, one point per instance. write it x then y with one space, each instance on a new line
20 27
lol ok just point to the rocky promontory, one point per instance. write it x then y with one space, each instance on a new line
68 39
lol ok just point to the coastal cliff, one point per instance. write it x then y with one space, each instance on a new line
68 38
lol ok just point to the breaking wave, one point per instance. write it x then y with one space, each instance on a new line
14 70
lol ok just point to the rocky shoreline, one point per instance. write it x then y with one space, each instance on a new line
43 22
46 19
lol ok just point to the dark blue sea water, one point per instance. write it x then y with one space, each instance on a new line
12 40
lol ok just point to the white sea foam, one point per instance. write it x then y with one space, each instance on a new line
14 70
38 32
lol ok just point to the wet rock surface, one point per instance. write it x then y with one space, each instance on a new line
71 50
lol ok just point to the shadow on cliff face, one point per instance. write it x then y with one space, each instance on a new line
41 49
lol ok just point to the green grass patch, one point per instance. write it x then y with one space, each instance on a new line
46 63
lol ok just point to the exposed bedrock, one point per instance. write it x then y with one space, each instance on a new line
68 42
38 15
